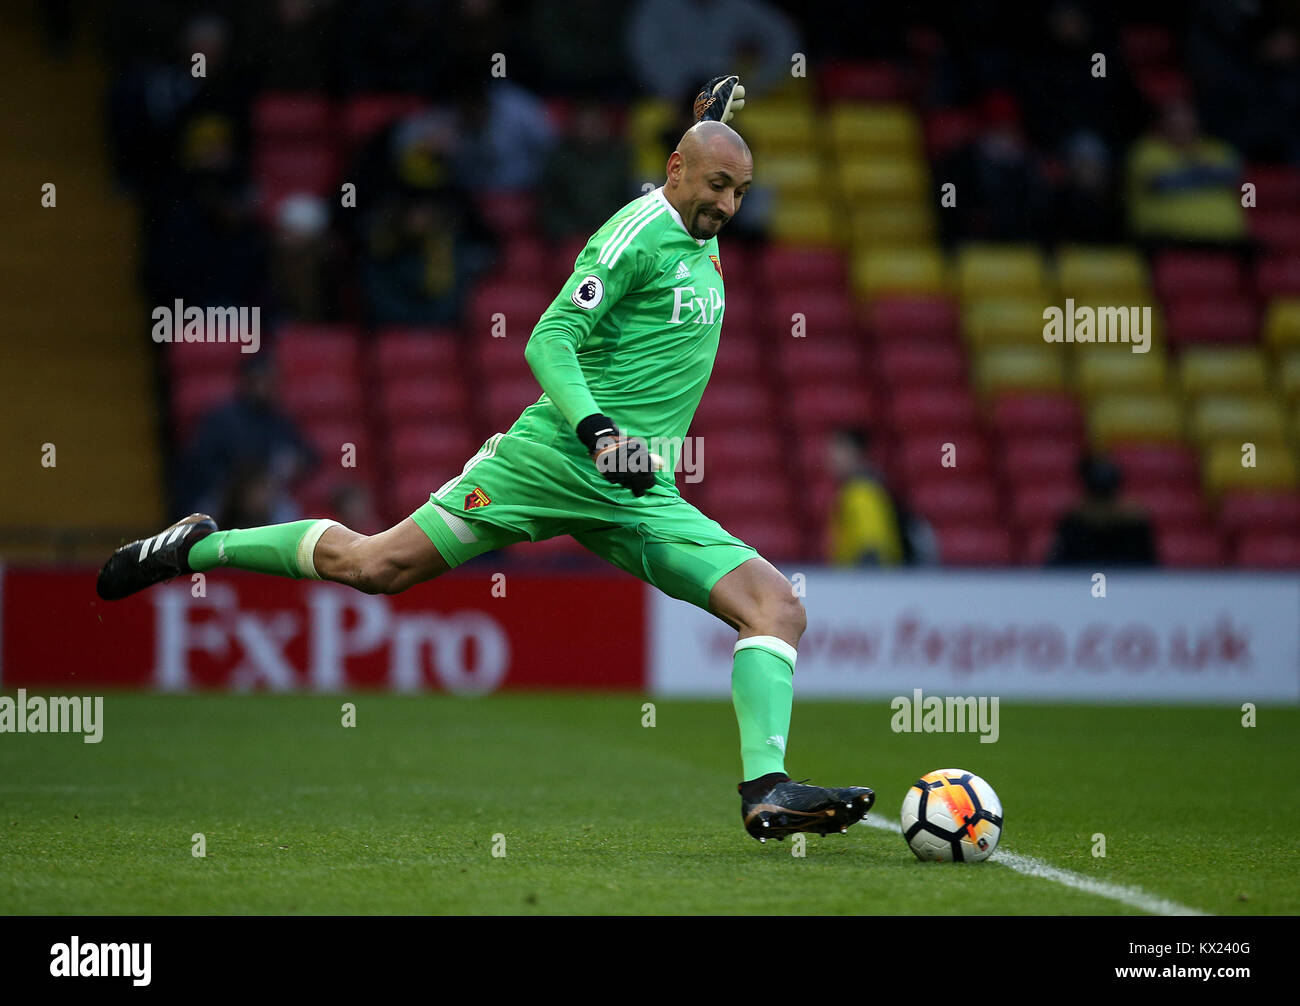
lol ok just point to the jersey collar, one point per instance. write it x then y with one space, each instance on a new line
659 194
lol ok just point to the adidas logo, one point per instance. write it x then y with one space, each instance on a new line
159 540
777 741
682 271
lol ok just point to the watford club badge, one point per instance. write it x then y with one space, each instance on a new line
717 265
476 499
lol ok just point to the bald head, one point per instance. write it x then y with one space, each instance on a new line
708 174
711 139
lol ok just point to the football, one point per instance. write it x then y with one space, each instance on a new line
951 815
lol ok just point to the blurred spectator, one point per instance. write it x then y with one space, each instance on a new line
502 135
679 44
304 272
1101 530
1002 188
247 440
588 175
420 261
1245 60
249 499
352 505
868 525
1087 208
292 44
1182 185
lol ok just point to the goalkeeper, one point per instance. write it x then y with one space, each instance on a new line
622 355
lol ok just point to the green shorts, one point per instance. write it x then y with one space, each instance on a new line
516 490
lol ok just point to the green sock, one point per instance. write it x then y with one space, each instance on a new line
762 690
278 549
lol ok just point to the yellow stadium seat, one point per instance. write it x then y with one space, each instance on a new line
794 174
1289 376
1236 417
647 121
771 129
1223 470
1115 370
873 128
879 179
1001 320
1102 275
988 270
1282 322
893 225
903 271
804 222
1220 371
1116 419
1019 368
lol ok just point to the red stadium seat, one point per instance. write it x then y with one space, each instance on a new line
1177 274
502 357
1269 549
956 498
862 81
367 114
1278 276
430 448
508 397
742 449
1157 464
423 399
410 352
981 544
1276 186
740 318
837 360
185 359
566 254
919 458
776 538
294 116
1276 229
803 269
321 396
820 407
303 351
908 319
1037 544
521 304
195 395
1171 506
281 170
1043 503
744 493
1161 85
1023 415
1189 548
508 211
523 255
1033 459
922 410
1221 320
1242 511
826 315
733 404
931 361
739 359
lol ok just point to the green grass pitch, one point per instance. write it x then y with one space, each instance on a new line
603 815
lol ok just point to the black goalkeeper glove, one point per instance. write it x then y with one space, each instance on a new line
625 461
721 98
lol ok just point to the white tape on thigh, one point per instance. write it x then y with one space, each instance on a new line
307 548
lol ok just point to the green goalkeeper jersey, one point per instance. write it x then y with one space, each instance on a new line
632 334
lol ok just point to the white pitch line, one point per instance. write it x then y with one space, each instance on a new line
1134 897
